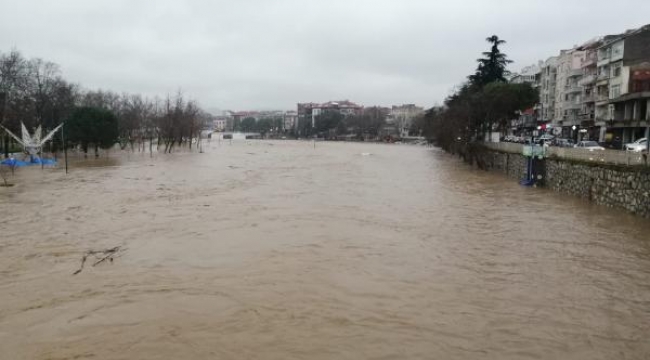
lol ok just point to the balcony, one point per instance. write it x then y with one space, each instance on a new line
602 76
573 89
572 105
601 98
571 119
586 117
603 59
587 80
575 72
588 98
591 60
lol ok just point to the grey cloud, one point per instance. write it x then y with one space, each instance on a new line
272 54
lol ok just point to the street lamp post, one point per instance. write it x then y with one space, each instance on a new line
573 129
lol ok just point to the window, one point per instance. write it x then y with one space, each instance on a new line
603 70
610 112
614 91
616 70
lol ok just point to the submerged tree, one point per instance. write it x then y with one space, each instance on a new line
92 126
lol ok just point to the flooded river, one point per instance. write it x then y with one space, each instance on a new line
279 250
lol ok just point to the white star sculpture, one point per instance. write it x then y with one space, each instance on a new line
32 144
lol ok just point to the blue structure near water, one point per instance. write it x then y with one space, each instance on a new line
33 160
534 155
530 176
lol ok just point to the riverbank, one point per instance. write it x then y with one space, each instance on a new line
616 186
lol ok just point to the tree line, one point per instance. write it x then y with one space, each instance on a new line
331 124
485 102
34 92
262 126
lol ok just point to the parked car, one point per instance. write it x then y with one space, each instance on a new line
589 145
637 146
564 143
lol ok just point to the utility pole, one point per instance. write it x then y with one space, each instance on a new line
3 99
65 148
647 140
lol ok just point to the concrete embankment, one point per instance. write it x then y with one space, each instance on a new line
616 186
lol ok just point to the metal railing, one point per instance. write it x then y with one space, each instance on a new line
616 157
587 79
572 105
602 76
591 59
572 89
602 97
575 72
513 148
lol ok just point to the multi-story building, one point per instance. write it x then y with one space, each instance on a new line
402 116
290 120
611 45
548 80
529 75
601 88
568 94
309 111
220 123
588 84
529 118
623 87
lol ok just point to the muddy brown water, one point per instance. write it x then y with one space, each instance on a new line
277 250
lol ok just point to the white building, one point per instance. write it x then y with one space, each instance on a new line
623 87
529 75
568 94
220 123
547 89
402 117
290 120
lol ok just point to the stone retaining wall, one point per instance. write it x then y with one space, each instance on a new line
623 187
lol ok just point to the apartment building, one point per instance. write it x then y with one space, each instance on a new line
588 84
548 81
568 94
623 87
309 111
600 89
528 119
402 116
290 120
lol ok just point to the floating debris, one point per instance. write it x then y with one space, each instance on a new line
100 255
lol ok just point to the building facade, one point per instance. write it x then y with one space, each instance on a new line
623 112
402 116
597 91
290 120
309 111
568 94
548 81
587 82
528 119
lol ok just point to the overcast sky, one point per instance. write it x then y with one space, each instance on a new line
268 54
